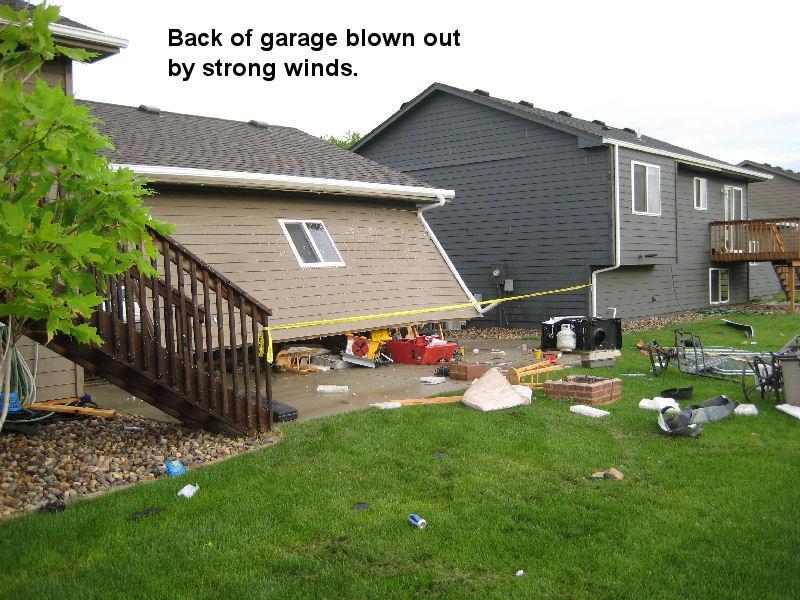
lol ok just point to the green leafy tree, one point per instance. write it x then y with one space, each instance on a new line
349 138
63 209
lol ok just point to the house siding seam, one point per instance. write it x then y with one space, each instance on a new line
527 198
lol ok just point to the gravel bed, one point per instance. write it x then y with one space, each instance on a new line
628 326
68 459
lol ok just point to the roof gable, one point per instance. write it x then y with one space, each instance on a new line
588 132
789 174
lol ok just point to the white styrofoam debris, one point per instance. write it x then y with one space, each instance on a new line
658 404
749 410
793 411
386 405
332 389
432 380
588 411
188 490
524 391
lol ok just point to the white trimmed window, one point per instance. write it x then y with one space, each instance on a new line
311 243
700 193
645 188
719 286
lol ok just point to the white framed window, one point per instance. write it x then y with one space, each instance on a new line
645 189
700 193
719 286
311 243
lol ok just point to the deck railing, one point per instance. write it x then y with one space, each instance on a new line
191 330
755 240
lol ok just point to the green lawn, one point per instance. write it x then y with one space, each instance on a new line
712 517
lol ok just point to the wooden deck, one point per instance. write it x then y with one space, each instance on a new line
755 240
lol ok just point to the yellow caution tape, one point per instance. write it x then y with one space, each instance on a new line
401 313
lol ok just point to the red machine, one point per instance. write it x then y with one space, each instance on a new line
424 350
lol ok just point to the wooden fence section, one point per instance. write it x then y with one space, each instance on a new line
185 340
755 240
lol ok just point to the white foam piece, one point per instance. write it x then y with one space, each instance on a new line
588 411
749 410
524 391
188 490
492 391
658 404
332 389
790 410
431 380
386 405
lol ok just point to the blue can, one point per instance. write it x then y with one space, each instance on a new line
175 468
416 521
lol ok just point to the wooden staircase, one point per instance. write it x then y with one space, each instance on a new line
789 277
185 341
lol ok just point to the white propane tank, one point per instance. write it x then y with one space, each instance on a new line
565 340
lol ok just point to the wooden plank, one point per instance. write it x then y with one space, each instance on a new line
130 317
199 371
259 411
169 318
223 367
185 339
81 410
234 363
209 341
434 400
247 405
156 323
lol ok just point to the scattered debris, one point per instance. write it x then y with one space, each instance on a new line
431 380
633 374
679 424
533 376
416 521
467 372
748 410
584 388
684 393
520 573
68 406
332 389
749 332
611 473
188 490
131 428
434 400
147 512
475 351
588 411
498 353
175 468
442 371
359 506
660 404
712 410
493 392
386 405
600 359
792 411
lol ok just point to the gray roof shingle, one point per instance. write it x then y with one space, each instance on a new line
190 141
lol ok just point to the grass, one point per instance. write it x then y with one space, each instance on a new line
711 517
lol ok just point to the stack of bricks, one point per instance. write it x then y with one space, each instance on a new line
584 389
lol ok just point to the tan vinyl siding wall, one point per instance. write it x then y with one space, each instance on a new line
56 72
391 264
57 377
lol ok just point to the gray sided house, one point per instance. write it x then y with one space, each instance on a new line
548 200
778 197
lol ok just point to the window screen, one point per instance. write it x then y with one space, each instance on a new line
312 244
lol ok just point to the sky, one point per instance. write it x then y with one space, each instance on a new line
719 78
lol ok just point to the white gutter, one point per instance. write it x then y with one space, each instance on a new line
689 160
85 35
481 309
617 236
266 181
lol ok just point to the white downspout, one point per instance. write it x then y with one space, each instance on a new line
481 309
617 235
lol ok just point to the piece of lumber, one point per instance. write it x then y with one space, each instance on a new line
77 410
435 400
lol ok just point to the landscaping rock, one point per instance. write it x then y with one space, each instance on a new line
68 459
611 473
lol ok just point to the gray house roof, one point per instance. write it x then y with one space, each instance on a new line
144 136
770 169
589 132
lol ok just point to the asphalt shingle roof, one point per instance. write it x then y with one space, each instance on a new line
20 5
190 141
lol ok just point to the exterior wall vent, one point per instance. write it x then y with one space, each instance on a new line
481 92
525 103
565 113
258 124
150 110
